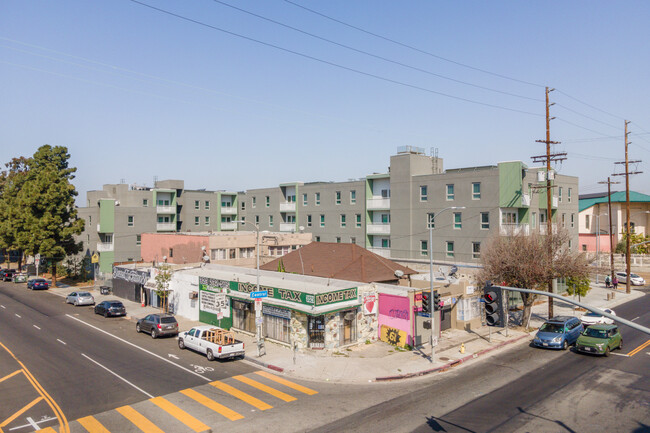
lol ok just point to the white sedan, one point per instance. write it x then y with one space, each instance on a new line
635 280
596 319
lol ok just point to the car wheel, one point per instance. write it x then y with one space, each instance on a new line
137 328
620 345
181 344
607 351
565 345
210 355
105 313
154 334
76 303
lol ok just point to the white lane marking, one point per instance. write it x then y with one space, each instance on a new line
619 354
35 427
172 356
3 307
36 327
139 348
32 423
634 318
62 342
17 315
117 375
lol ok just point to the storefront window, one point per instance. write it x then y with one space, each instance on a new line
277 323
243 315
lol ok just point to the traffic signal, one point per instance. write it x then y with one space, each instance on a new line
436 300
493 305
426 302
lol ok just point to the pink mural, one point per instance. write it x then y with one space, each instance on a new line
394 312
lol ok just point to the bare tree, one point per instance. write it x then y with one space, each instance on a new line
523 261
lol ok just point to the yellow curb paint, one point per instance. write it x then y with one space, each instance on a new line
259 404
138 419
285 382
211 404
267 389
92 425
180 414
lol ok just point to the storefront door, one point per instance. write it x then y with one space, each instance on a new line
316 332
348 327
243 316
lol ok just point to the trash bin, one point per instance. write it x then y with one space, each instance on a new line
104 290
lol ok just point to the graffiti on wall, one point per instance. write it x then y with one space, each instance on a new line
393 336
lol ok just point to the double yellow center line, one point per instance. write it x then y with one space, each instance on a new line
639 349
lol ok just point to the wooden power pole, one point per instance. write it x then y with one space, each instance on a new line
549 157
611 235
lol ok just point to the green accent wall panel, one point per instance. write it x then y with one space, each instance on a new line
510 184
106 260
106 216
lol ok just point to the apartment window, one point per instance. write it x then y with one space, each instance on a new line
568 195
268 201
163 219
138 239
563 220
542 216
291 199
450 191
431 224
243 219
207 204
343 220
587 222
423 193
218 254
304 200
317 238
338 197
450 249
559 194
145 202
90 219
243 205
572 219
476 190
385 218
308 220
508 217
338 239
353 240
385 193
476 250
385 243
424 248
207 221
246 253
257 220
353 197
108 239
485 220
196 221
197 204
270 220
253 201
322 220
130 221
317 198
358 219
458 222
171 253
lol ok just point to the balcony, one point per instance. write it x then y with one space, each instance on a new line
543 229
104 247
166 227
166 209
289 206
514 229
378 204
378 229
287 227
525 200
228 210
383 252
228 226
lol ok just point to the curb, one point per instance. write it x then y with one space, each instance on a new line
452 364
264 364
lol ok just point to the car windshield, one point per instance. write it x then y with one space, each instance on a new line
634 276
592 314
596 333
39 281
167 320
552 327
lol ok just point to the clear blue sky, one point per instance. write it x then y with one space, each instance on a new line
233 101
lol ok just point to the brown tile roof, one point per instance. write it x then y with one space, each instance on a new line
341 261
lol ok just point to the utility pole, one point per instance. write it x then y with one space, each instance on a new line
611 235
627 174
549 157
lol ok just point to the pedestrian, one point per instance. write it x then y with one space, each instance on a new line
615 282
608 281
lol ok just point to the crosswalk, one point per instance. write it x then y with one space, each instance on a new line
195 409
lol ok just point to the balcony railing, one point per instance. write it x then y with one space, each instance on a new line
384 252
230 210
166 209
166 227
104 247
228 226
514 229
288 207
378 229
287 227
543 228
378 203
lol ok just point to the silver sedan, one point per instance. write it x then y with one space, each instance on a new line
80 298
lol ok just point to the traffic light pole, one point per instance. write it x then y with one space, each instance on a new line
432 309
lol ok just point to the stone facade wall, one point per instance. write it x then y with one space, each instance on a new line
299 330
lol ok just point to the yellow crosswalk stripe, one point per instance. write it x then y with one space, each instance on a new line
285 382
211 404
241 395
92 425
180 414
274 392
48 430
138 419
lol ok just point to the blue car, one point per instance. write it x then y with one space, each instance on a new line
38 283
558 333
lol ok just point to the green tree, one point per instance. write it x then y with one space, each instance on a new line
635 239
12 181
162 285
578 286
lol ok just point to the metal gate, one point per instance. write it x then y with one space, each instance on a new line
316 330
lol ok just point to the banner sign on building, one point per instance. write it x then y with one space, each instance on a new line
213 283
214 302
130 275
369 304
271 310
299 297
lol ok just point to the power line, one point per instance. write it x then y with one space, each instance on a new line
589 105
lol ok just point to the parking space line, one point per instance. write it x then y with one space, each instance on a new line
21 411
36 327
639 348
211 404
10 375
18 315
285 382
62 342
138 419
91 424
180 415
267 389
241 395
117 375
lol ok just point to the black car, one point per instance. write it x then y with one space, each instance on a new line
110 308
158 325
7 274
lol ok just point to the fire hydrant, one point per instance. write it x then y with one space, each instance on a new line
462 347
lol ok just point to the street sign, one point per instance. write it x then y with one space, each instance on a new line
260 294
94 258
259 320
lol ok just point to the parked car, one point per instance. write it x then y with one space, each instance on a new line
80 298
38 283
158 325
591 318
110 308
558 333
212 341
600 339
635 280
8 274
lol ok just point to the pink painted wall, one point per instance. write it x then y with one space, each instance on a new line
590 240
187 248
394 312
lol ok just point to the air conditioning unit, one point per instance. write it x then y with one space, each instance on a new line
194 295
551 175
541 176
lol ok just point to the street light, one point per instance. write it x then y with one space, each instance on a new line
431 223
258 328
598 243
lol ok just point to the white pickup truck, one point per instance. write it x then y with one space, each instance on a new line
212 341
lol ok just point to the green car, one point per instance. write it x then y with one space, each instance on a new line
599 339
